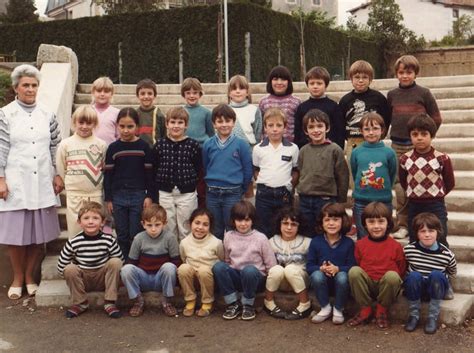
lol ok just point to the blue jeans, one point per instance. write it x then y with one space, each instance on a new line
432 287
137 280
324 285
219 201
128 206
268 201
357 215
310 208
436 207
249 280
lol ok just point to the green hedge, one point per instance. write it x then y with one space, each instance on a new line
149 43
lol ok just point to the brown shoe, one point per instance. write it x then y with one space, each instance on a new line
203 312
137 308
188 312
169 310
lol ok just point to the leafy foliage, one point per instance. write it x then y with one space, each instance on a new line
5 89
19 11
462 33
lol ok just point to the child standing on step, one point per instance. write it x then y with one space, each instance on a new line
248 257
152 121
380 267
426 174
152 262
330 257
102 92
429 265
406 101
248 125
289 274
91 261
280 89
79 162
374 169
199 252
177 163
128 181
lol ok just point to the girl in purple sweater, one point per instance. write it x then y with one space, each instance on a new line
247 258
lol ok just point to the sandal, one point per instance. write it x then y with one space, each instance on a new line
31 288
381 321
295 314
358 320
14 293
137 308
169 310
276 312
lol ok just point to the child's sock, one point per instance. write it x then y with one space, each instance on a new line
191 304
269 304
365 312
76 310
112 310
302 307
414 308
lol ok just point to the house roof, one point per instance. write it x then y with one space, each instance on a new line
54 4
450 3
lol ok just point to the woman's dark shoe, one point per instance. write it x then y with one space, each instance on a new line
276 312
295 314
431 326
411 324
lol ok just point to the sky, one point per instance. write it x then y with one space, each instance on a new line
41 6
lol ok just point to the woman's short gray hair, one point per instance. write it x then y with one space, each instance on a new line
22 71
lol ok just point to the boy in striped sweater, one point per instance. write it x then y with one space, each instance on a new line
429 265
91 261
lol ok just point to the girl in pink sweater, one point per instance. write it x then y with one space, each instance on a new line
247 258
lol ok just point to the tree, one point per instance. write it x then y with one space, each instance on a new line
462 33
20 11
113 7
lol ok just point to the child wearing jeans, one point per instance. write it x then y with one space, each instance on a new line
79 162
280 89
374 168
102 92
426 175
199 252
128 179
323 171
275 170
380 267
429 265
228 166
152 262
176 163
248 257
289 274
91 261
330 257
152 121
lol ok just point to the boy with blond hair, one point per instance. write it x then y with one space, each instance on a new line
102 92
275 170
152 121
177 163
406 101
361 100
79 162
317 80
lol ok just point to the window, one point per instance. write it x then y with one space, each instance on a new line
456 13
316 2
291 1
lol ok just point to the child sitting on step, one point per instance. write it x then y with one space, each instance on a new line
429 265
91 261
152 262
199 252
381 266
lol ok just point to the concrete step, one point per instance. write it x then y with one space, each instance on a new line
461 223
452 145
463 116
463 248
464 281
455 130
464 179
462 161
55 293
455 103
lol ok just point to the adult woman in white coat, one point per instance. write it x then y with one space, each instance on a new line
29 136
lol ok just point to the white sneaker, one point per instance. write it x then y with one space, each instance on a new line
337 317
324 314
401 233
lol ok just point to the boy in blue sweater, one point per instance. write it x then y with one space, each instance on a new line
228 167
373 168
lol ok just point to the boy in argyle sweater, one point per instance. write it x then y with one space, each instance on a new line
426 174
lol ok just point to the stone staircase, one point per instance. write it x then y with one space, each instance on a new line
455 97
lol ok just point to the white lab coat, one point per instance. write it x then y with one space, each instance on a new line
29 171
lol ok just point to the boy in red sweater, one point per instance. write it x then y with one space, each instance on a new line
381 266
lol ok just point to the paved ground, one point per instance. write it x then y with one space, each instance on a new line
23 328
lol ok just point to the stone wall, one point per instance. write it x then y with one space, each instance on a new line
447 61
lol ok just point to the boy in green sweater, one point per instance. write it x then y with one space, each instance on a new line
152 121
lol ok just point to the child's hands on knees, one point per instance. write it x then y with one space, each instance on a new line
331 269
